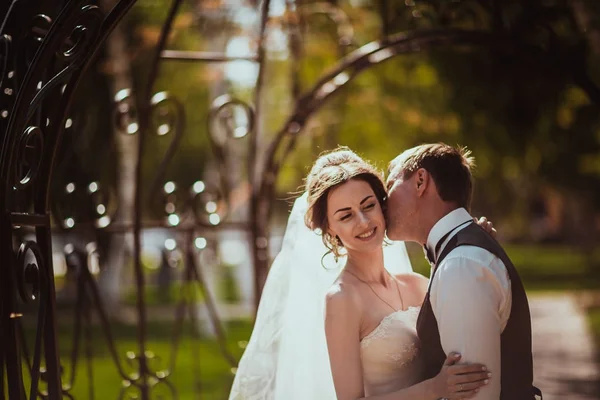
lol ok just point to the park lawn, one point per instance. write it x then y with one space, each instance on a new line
202 355
593 316
542 268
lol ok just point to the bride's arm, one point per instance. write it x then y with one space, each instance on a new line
453 382
342 328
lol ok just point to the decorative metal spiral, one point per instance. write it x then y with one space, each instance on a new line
40 25
126 112
84 30
30 150
30 275
91 203
229 118
155 380
78 35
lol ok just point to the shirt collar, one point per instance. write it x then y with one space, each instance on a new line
446 224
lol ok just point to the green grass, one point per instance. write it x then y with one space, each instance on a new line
594 321
542 268
200 369
554 268
593 317
227 290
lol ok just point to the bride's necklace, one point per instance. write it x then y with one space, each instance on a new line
373 290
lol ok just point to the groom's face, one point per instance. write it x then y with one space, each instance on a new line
402 204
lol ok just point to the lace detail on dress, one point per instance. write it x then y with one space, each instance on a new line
406 356
390 354
382 329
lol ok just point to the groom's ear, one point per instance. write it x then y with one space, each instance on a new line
422 179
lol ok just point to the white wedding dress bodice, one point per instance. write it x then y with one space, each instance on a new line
390 354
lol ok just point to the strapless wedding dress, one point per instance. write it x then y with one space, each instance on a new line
390 354
390 357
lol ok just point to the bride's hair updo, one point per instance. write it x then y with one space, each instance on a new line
329 171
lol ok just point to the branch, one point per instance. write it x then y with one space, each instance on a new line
351 66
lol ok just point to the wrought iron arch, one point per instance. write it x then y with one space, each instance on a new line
41 63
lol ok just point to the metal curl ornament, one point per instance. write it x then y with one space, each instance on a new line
92 203
103 200
84 32
226 113
167 113
223 114
133 384
126 118
31 140
40 25
173 203
30 273
210 206
66 220
206 205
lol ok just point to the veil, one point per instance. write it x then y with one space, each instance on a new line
286 357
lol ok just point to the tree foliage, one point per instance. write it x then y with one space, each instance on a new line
527 106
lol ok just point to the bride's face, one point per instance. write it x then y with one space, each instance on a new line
355 216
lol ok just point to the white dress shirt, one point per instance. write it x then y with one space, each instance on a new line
471 300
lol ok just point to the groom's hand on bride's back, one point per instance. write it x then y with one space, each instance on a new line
487 225
459 381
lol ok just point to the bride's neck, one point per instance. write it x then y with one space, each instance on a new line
367 266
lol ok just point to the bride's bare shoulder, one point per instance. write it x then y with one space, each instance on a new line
342 295
411 278
414 281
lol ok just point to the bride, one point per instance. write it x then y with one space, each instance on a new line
343 327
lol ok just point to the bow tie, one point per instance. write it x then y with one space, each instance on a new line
429 255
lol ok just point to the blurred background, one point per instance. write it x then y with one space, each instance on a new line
246 94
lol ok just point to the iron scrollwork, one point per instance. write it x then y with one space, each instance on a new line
41 63
30 148
42 57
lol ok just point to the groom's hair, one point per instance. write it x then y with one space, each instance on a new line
450 167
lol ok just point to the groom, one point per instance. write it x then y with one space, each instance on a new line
476 304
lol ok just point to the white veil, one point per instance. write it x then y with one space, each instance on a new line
286 357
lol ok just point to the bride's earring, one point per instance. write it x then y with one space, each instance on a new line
334 242
337 245
331 243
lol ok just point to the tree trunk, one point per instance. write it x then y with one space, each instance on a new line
120 246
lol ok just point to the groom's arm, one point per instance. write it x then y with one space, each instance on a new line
471 300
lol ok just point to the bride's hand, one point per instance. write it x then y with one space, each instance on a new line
459 381
487 225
